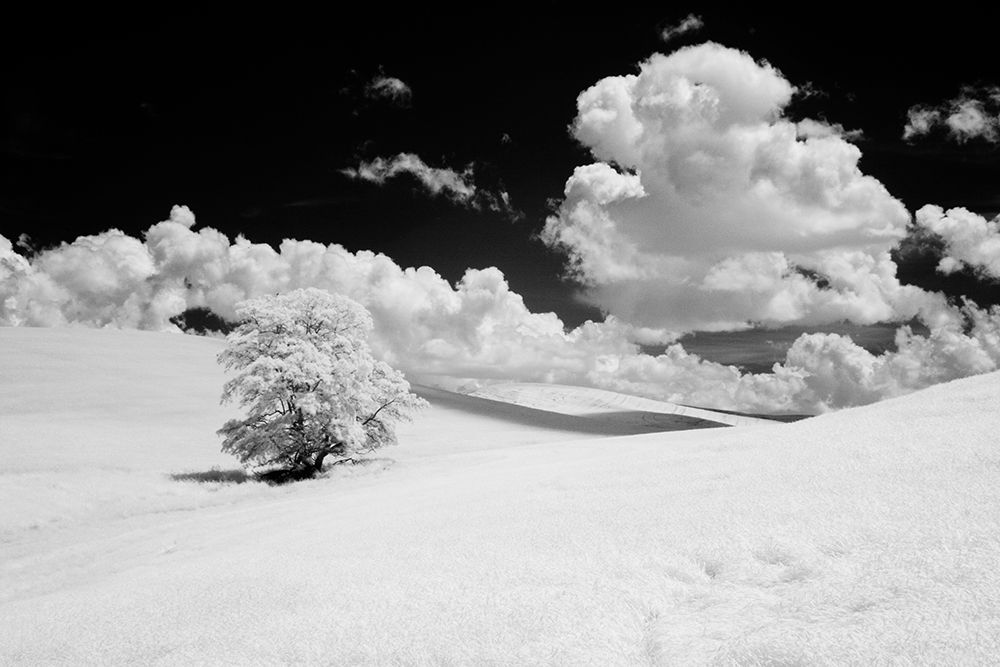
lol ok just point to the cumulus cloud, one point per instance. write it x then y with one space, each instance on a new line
708 210
476 328
459 187
689 23
970 240
974 114
836 372
821 371
389 88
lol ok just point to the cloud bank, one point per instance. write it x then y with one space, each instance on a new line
973 114
443 333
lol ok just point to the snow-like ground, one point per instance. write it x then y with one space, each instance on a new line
493 534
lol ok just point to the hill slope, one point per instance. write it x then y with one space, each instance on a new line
607 406
865 536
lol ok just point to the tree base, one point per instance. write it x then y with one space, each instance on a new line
286 475
297 474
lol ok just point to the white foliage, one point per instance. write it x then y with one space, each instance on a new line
309 381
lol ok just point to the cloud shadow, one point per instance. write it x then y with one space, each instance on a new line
598 423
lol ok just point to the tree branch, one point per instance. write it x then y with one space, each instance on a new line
375 414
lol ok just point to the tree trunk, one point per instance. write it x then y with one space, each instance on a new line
318 462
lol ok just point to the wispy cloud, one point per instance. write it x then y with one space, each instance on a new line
689 23
459 187
974 114
808 127
389 88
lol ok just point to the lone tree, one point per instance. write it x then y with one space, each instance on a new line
310 383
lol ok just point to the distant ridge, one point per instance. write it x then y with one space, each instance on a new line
598 422
588 401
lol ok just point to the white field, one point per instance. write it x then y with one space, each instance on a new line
492 535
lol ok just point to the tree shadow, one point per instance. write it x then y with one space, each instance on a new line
344 467
237 476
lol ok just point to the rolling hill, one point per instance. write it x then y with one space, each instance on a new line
532 526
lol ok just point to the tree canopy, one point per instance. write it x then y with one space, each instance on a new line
311 387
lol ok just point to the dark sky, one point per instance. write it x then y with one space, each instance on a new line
110 119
